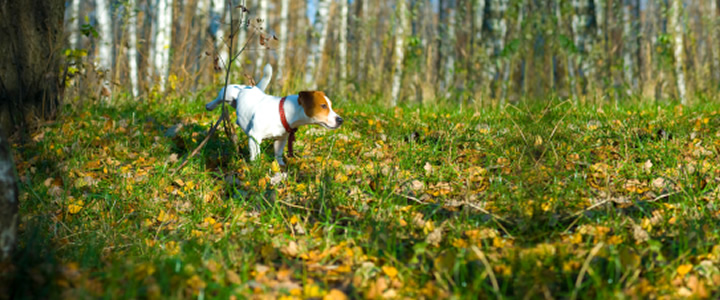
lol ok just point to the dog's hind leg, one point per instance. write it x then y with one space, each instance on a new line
254 145
279 147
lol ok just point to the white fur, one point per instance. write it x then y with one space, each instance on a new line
258 114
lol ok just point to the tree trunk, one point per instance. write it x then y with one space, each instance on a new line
132 47
319 36
284 37
362 40
628 49
30 88
448 48
678 45
30 85
715 40
163 41
496 32
8 215
217 29
400 28
74 24
262 14
342 40
104 57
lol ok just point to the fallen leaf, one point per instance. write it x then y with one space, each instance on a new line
335 294
390 271
684 269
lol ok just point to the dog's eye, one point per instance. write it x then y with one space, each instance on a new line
324 106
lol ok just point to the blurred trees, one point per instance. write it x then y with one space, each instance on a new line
474 51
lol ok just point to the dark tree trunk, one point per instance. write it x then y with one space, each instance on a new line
30 72
30 90
8 215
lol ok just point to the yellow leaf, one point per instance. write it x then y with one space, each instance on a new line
275 167
684 269
75 206
293 219
335 294
390 271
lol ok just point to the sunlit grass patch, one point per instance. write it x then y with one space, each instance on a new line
403 202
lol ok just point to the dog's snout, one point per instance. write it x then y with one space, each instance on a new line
339 120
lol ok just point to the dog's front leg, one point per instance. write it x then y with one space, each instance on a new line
279 147
254 144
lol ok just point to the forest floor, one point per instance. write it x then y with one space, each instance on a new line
549 201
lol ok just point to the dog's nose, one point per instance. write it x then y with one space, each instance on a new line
339 120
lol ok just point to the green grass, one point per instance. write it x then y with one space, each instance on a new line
407 202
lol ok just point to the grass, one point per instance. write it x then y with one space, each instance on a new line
552 200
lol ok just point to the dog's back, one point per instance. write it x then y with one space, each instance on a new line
234 91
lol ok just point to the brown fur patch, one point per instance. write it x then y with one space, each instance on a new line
315 105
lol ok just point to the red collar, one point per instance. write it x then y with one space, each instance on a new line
289 129
283 119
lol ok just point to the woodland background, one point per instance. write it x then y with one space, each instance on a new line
469 51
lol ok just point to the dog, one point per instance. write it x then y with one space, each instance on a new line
263 116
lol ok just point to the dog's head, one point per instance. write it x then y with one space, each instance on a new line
318 108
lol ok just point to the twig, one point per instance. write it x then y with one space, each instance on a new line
488 269
294 206
224 117
585 268
411 198
197 149
591 207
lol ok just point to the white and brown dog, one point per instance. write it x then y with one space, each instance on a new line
263 116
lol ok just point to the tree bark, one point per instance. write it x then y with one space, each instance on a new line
678 46
30 85
284 37
217 29
448 48
163 41
74 24
400 28
8 215
132 47
715 40
104 56
342 50
628 48
319 37
262 14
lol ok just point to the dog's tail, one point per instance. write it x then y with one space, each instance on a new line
267 75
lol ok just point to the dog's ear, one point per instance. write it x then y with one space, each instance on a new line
304 97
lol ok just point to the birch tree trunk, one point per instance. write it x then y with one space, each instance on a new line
163 40
363 39
400 28
448 48
342 37
572 85
262 14
74 24
284 37
715 40
317 45
628 47
478 14
217 28
132 47
678 46
496 32
104 58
